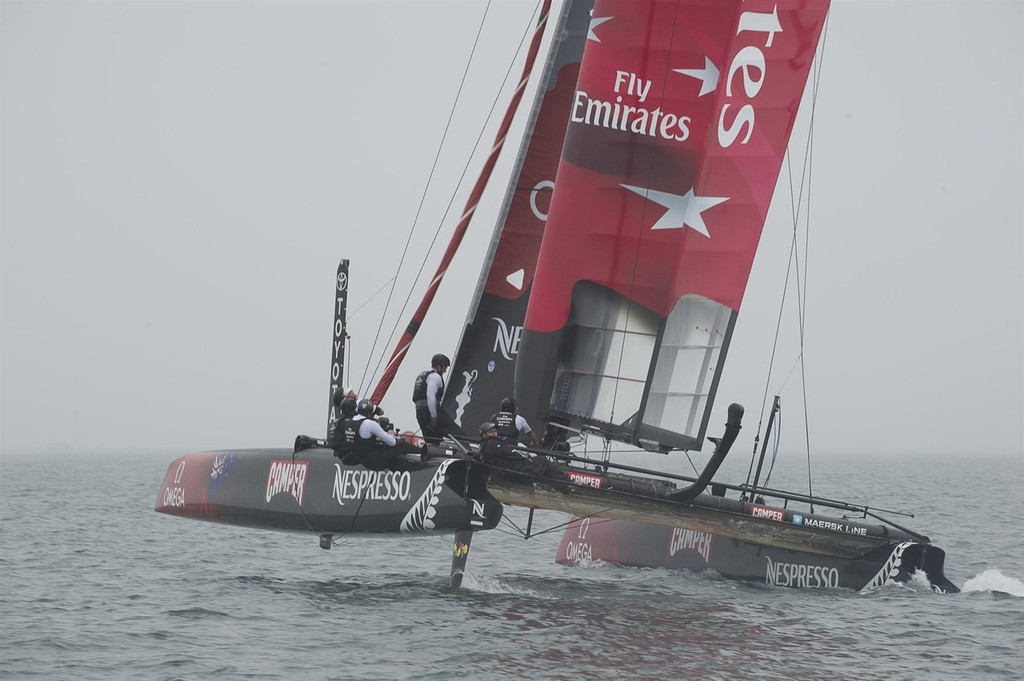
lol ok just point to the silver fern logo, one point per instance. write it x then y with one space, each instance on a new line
420 517
888 572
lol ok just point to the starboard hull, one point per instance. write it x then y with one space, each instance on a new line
313 491
631 521
637 544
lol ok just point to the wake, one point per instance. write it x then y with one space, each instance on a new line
995 581
493 585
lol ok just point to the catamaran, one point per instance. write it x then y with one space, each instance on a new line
605 306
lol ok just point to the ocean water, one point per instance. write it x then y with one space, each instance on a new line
95 585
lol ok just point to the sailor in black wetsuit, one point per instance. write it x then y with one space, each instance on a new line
337 437
511 426
501 453
426 395
371 445
336 433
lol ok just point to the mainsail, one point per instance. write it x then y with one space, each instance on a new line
679 113
677 129
402 348
483 369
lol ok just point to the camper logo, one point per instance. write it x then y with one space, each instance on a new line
690 540
767 513
287 476
585 479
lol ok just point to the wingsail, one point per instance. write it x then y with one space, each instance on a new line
483 369
677 129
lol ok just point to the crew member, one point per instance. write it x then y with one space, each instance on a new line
426 395
511 426
350 393
501 453
338 436
374 447
345 409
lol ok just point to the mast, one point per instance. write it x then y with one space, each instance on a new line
460 230
483 367
340 335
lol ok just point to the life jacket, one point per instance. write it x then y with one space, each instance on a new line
502 453
336 434
419 390
505 422
353 442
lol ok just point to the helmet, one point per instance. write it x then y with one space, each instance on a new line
348 407
509 404
337 397
366 408
440 360
485 426
384 422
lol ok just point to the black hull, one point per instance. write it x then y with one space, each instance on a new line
313 491
636 544
622 519
635 522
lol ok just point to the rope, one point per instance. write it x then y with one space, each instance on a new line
334 536
797 203
423 196
451 201
554 528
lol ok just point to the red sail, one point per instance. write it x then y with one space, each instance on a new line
460 230
664 187
677 132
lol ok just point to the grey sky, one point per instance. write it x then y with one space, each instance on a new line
179 180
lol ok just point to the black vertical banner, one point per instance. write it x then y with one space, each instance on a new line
338 335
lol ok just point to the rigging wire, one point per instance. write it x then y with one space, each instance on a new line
423 196
348 339
335 537
775 344
810 157
797 203
597 520
370 299
465 170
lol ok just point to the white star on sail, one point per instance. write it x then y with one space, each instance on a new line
708 76
683 211
594 23
516 279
